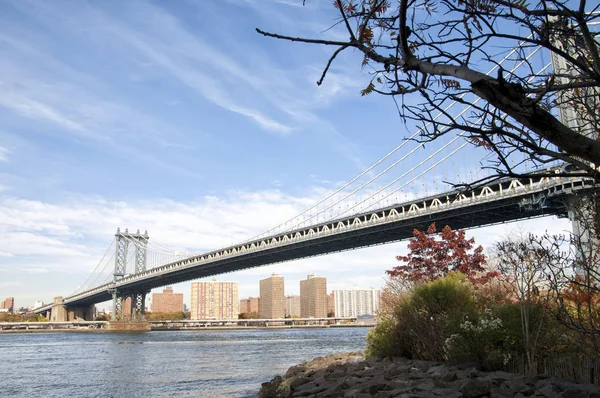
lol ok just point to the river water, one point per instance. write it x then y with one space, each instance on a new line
160 364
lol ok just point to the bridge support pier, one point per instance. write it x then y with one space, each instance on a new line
584 213
58 313
85 313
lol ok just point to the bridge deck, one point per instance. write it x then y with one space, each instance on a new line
506 200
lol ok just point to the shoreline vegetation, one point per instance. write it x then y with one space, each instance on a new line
354 375
455 323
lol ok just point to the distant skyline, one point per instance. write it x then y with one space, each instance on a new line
177 118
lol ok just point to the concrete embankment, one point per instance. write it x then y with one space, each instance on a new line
352 375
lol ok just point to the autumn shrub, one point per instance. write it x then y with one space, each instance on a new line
6 317
423 319
166 316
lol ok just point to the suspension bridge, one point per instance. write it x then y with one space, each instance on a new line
400 192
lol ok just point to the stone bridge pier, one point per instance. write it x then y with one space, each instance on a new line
84 313
58 313
61 313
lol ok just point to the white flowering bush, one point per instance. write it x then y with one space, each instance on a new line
483 339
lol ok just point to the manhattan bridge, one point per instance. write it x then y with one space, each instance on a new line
399 193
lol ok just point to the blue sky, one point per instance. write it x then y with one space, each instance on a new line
178 118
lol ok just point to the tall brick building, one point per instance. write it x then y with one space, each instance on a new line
251 304
167 301
214 300
330 304
313 297
8 304
272 297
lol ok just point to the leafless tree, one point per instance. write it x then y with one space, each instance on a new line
392 294
570 267
439 52
523 266
573 268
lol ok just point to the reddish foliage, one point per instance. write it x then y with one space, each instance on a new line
430 258
582 303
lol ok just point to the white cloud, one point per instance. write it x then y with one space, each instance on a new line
70 238
3 157
10 284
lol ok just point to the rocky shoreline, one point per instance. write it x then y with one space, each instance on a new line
353 375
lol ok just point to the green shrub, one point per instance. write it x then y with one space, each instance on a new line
483 339
424 319
381 340
547 336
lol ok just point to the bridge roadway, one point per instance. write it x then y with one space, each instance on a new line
499 202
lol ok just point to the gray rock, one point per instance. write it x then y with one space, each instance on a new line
436 368
425 385
448 384
335 375
501 392
468 365
293 371
298 381
352 393
373 361
474 388
473 373
269 389
423 366
520 386
306 386
450 376
545 388
375 388
400 383
347 375
446 393
351 381
498 377
533 380
308 392
396 369
370 372
574 392
336 390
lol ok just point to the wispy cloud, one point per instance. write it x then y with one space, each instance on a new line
10 284
168 45
70 237
148 44
3 155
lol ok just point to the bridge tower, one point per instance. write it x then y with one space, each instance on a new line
584 211
137 299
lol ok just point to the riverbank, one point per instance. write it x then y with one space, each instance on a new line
353 375
47 328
